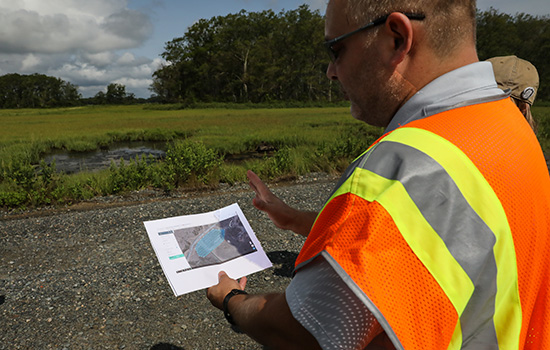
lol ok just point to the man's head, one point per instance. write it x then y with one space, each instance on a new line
518 75
381 67
521 78
448 23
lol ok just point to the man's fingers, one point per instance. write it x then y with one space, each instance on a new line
252 178
253 187
257 184
242 282
222 275
252 175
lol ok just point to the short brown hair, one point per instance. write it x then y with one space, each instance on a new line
448 22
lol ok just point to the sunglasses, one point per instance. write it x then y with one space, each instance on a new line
333 54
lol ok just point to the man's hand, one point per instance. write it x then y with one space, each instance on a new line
282 215
217 293
264 317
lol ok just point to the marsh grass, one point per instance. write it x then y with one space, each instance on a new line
198 139
301 140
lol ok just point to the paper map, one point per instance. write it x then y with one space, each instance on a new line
192 249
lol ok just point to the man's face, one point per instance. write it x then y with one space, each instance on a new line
367 82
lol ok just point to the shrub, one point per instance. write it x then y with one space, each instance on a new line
349 144
133 176
231 173
187 158
21 172
13 199
159 176
281 162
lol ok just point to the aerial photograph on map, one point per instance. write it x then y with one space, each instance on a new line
215 243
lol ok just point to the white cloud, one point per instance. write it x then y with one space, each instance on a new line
30 62
60 26
134 72
126 58
101 59
80 41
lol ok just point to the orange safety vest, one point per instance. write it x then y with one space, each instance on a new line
443 226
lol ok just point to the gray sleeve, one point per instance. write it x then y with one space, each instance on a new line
329 309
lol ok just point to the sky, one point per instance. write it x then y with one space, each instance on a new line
94 43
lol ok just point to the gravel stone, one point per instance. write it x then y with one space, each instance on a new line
86 277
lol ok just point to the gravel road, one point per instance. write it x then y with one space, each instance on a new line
86 277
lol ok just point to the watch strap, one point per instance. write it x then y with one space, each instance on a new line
230 295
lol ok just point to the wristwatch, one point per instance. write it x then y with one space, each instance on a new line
230 295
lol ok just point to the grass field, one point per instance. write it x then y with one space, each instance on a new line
86 128
306 140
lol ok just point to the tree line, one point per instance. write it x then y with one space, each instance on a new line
42 91
267 56
36 91
116 95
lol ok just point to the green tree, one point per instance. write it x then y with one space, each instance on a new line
36 91
99 98
526 36
116 93
247 56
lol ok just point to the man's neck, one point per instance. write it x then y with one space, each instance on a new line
425 66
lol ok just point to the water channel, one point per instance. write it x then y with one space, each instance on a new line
74 162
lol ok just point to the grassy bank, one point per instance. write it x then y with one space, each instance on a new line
302 140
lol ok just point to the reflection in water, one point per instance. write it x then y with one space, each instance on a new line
73 162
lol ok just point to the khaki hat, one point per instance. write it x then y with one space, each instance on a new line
518 75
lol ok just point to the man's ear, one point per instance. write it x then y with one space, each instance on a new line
400 29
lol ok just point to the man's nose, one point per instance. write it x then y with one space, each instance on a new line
331 71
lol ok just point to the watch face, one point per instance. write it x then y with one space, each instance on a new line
237 291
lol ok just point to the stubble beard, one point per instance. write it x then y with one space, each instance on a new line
379 101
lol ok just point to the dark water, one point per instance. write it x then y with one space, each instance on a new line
73 162
240 158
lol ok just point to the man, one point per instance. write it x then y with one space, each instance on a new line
437 237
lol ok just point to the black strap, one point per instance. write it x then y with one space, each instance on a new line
230 295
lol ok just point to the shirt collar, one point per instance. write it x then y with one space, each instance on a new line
464 86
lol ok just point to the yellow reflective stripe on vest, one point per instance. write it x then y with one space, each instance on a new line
486 204
423 240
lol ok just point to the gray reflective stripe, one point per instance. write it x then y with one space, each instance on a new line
467 237
351 168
